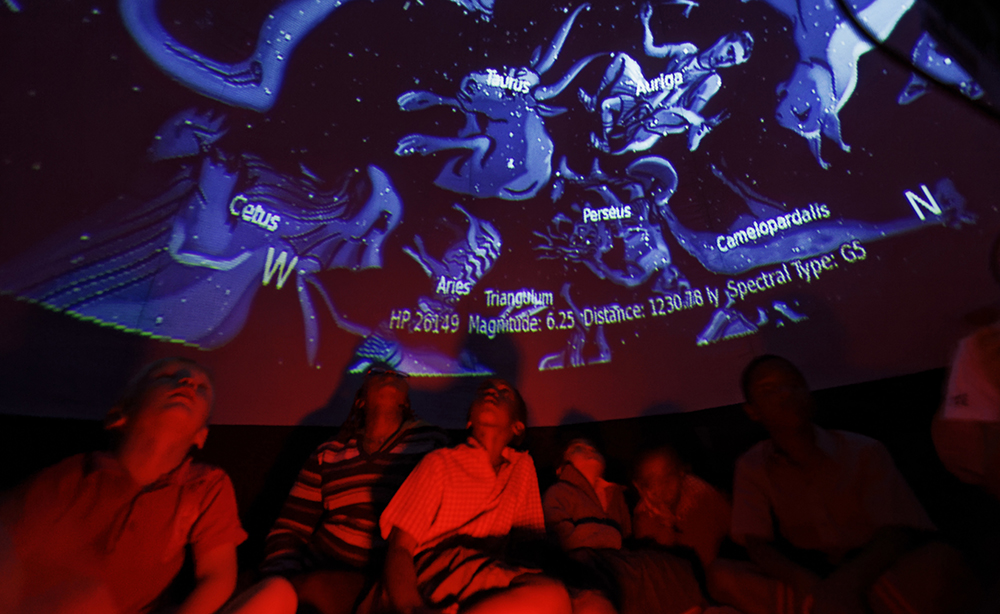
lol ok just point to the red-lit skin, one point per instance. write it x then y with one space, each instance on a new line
170 416
383 407
780 400
494 424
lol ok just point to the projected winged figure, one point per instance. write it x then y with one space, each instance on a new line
618 239
826 75
255 82
186 264
505 150
636 113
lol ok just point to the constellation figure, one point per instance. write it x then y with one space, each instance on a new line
636 113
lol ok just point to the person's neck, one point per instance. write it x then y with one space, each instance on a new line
148 459
494 442
798 443
378 429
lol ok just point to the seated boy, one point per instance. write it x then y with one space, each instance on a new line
590 519
448 522
829 523
108 532
582 509
676 507
325 548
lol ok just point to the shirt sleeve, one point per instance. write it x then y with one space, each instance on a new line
751 504
417 502
299 517
887 497
219 521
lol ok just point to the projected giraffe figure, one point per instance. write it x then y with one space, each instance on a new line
636 113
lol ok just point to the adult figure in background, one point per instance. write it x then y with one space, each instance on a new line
829 523
325 549
676 507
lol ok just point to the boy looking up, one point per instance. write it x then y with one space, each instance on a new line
447 524
108 532
829 523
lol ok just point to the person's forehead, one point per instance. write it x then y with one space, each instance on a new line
774 371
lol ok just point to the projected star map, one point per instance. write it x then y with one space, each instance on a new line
551 191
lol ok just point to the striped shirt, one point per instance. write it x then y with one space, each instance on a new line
331 515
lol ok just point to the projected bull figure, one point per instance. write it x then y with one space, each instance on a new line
255 82
185 265
507 152
461 267
628 229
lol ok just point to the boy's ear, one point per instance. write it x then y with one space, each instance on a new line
200 437
518 428
115 419
751 412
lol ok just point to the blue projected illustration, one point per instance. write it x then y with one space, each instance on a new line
636 113
728 323
461 267
506 150
380 347
186 264
255 82
774 234
927 56
619 240
809 102
573 355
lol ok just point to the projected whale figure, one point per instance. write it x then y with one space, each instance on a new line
186 264
810 100
506 150
622 222
255 82
786 235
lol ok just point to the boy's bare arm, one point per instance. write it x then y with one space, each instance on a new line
215 579
855 577
399 574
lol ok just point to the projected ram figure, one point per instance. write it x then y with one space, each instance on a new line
186 264
507 152
636 113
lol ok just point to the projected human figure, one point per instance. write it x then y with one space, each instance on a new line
505 150
253 83
185 265
810 100
942 67
636 113
620 238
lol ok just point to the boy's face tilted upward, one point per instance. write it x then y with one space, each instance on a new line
175 401
495 406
